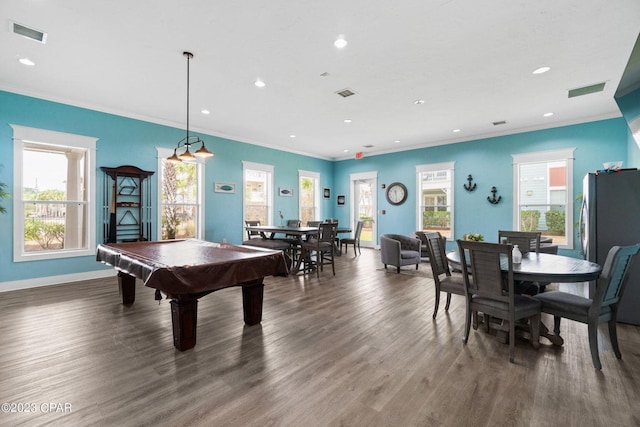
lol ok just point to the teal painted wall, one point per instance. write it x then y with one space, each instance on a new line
489 161
128 141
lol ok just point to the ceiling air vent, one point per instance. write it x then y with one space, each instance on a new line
501 122
345 93
29 33
598 87
368 146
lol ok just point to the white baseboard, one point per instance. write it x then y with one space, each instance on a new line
55 280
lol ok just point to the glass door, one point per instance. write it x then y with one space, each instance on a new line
364 206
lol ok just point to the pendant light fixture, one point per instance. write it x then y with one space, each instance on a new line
189 140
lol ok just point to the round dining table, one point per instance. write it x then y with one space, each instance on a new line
544 268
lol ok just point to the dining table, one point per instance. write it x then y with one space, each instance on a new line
544 268
298 233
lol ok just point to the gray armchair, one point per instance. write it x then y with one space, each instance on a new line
399 250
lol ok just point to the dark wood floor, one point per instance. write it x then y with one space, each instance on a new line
357 349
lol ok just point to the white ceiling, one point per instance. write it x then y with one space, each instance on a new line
471 61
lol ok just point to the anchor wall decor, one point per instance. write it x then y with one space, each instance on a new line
470 187
493 199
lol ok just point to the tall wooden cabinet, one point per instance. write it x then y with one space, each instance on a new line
127 204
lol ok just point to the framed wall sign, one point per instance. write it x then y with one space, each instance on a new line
342 199
285 192
223 187
327 193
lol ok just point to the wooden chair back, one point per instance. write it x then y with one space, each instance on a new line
293 223
527 241
484 263
613 279
437 254
358 232
253 234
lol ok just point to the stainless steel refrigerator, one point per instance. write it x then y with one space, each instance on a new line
610 216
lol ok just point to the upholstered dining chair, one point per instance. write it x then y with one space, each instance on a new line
313 223
491 291
604 305
322 246
355 240
445 281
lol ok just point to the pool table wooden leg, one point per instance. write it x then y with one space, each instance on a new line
127 285
252 296
184 317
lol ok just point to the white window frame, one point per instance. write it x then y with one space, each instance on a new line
315 176
551 156
269 169
432 167
23 134
163 154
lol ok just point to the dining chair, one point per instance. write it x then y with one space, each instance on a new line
313 223
322 246
424 250
293 240
253 234
527 241
255 238
604 305
445 281
491 291
355 240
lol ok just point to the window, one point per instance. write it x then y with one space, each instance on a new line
435 198
309 200
54 194
181 192
258 192
543 194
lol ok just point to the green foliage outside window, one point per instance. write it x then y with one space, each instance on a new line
555 222
436 219
49 235
529 220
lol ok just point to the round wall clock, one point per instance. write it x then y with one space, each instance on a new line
397 193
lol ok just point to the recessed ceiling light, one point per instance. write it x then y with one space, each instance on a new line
397 141
340 42
419 101
26 61
548 114
259 83
345 150
205 112
347 120
456 130
541 70
292 136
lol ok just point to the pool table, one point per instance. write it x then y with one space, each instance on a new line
186 270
